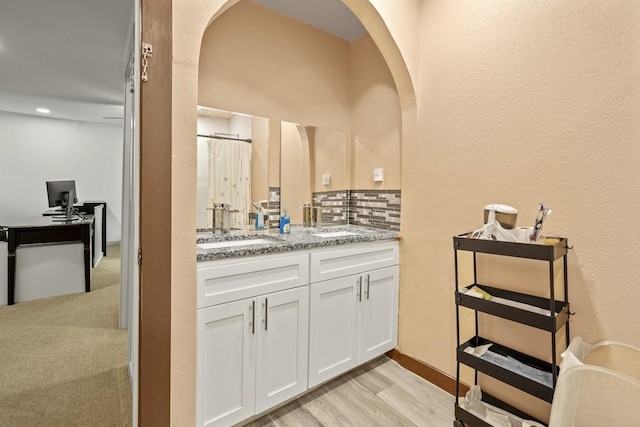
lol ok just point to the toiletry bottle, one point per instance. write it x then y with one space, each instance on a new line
285 223
258 220
265 218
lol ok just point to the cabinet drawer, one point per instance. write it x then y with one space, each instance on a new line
356 259
220 282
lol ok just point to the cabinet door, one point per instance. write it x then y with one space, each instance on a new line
333 328
283 341
225 380
378 313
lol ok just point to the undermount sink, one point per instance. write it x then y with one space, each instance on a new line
233 243
335 234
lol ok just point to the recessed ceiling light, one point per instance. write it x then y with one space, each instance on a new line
43 110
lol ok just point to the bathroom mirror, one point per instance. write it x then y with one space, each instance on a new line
233 164
313 169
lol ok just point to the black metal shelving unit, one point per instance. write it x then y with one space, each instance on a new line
552 321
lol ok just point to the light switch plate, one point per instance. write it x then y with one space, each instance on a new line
378 175
326 179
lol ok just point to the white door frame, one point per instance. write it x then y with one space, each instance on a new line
130 289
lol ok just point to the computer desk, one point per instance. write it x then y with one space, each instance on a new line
44 230
88 207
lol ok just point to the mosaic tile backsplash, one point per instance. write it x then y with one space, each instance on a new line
375 208
378 209
334 206
274 207
372 208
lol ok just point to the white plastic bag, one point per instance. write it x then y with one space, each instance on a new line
588 395
619 357
575 353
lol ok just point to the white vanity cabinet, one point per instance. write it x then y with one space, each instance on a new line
271 326
354 317
252 354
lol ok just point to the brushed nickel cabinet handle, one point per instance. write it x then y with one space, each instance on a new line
253 317
368 293
266 314
360 289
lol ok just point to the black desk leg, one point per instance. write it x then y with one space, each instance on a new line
93 246
11 267
86 240
104 230
11 278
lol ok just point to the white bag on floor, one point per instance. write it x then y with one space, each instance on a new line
619 357
588 395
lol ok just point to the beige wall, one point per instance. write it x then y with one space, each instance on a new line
315 79
330 148
189 20
274 153
308 152
522 102
402 20
295 188
259 62
393 26
259 158
376 118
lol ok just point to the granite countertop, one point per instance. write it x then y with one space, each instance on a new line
273 242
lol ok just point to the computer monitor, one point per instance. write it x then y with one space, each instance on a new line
62 193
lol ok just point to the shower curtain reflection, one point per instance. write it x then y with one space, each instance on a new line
230 177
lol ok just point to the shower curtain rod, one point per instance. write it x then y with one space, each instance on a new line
225 137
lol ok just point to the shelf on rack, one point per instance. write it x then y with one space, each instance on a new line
521 250
520 315
533 387
472 419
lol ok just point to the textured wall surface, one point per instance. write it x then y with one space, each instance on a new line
375 118
519 102
523 102
37 149
256 61
190 19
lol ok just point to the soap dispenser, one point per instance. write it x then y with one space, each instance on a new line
285 222
259 219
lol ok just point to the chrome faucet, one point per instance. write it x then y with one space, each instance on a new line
221 217
310 215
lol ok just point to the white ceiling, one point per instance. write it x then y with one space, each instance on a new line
331 16
69 55
65 55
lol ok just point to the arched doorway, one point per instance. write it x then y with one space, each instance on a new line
168 304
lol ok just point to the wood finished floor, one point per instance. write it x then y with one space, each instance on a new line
380 393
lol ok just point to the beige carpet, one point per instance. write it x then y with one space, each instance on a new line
63 362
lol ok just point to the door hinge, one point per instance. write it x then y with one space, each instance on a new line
139 257
147 52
